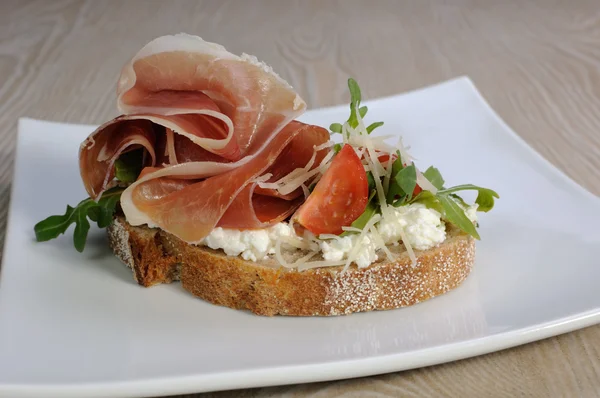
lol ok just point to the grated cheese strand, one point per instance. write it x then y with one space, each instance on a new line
388 175
329 236
279 256
305 191
294 242
318 264
381 244
425 183
407 158
296 178
356 248
304 259
409 248
263 178
325 145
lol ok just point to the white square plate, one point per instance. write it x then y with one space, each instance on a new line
74 325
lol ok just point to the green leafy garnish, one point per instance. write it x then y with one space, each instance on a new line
355 98
373 126
362 111
371 182
335 128
129 166
460 200
100 212
403 181
452 207
435 177
429 200
394 189
456 215
127 169
364 218
485 196
407 179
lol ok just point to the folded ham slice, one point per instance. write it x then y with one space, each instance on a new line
210 123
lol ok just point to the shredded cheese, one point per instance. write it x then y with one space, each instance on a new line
305 191
368 149
263 178
409 249
299 176
376 176
351 229
279 255
425 183
318 264
330 236
355 250
388 174
325 145
381 244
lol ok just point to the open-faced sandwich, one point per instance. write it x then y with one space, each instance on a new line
207 178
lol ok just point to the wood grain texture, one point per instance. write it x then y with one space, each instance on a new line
537 63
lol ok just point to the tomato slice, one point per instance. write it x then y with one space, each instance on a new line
339 197
384 157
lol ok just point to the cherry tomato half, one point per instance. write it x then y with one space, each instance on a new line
339 197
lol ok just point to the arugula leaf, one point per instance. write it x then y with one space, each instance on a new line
371 181
107 205
129 165
355 111
456 215
355 97
82 226
460 200
362 111
53 226
335 128
435 177
364 218
373 126
337 148
394 189
485 196
429 200
407 179
100 212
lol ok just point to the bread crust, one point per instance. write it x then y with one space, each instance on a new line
266 289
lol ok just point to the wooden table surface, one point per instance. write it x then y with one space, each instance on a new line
537 62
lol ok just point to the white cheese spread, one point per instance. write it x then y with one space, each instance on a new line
423 228
252 244
337 249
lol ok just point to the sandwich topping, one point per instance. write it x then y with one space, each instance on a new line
208 149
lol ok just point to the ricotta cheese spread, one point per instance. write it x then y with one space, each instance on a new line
423 228
252 244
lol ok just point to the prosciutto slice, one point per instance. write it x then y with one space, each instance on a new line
210 123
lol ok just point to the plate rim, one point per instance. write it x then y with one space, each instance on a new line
312 373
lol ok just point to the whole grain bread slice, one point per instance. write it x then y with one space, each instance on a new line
266 288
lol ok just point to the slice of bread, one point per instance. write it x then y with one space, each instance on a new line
267 289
